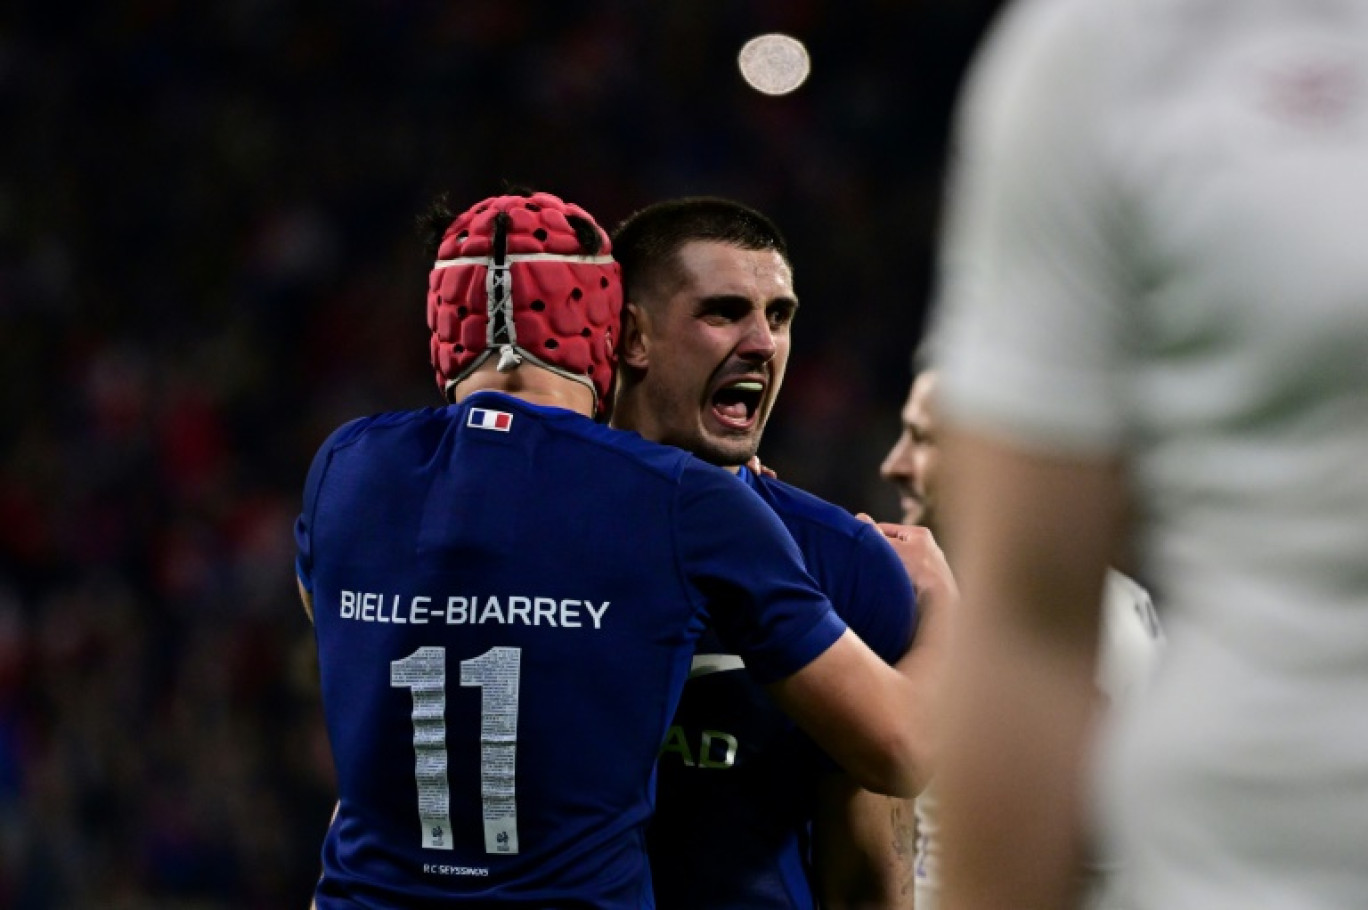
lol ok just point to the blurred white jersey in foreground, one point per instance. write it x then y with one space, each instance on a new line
1131 642
1155 250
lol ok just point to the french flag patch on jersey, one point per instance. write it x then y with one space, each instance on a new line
485 419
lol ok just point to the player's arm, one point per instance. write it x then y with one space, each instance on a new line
863 847
740 558
864 843
859 710
1031 535
924 662
875 720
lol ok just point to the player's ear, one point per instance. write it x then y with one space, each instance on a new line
634 348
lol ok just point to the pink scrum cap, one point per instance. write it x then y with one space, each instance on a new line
526 278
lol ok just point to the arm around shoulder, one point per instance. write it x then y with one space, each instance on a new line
858 709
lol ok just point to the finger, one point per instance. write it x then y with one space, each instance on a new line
893 531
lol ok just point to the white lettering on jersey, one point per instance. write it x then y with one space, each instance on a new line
715 748
515 610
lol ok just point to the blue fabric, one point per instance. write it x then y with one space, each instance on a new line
596 555
736 833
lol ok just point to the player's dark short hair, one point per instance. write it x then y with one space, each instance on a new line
646 244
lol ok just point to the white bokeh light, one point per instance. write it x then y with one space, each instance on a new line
774 64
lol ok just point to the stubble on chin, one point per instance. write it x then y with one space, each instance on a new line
726 452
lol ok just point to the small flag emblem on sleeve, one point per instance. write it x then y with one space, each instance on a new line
485 419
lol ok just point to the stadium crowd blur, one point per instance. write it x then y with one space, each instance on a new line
208 261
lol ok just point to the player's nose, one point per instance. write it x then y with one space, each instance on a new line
897 464
757 341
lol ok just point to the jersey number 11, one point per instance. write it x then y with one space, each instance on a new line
495 672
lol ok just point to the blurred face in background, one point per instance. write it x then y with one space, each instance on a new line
913 464
710 348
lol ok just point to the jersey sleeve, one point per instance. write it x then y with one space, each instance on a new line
879 603
313 483
876 599
1026 327
735 552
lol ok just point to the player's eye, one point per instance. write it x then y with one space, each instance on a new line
724 310
781 314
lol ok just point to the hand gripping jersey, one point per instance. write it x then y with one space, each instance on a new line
506 600
737 779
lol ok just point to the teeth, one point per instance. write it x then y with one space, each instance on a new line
748 386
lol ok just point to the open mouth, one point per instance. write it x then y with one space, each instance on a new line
736 404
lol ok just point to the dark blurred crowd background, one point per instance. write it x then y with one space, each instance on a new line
208 260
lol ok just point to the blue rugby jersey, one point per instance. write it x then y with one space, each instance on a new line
506 600
737 779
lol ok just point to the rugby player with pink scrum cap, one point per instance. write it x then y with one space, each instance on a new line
506 595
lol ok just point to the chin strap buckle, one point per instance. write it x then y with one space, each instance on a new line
509 359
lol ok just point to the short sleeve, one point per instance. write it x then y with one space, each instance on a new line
313 483
741 560
879 604
1031 289
877 601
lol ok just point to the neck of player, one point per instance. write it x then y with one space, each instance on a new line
531 383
